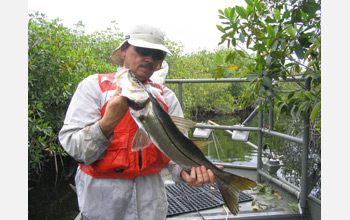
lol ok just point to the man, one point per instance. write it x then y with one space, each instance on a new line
112 182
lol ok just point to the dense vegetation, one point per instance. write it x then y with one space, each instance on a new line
282 39
58 59
285 39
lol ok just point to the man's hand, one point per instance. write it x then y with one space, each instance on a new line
116 108
199 176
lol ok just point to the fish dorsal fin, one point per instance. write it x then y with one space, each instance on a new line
183 124
201 143
141 140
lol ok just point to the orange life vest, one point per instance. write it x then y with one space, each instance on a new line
119 161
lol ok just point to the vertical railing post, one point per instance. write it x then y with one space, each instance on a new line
260 142
179 86
304 166
271 112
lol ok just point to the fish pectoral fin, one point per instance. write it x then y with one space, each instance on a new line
201 143
183 124
141 140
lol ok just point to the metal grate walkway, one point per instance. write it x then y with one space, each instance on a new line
183 198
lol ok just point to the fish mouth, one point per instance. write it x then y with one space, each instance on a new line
135 105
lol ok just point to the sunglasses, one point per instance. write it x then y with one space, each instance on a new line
156 54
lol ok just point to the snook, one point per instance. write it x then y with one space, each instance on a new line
155 124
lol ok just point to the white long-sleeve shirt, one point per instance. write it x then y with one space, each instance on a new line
110 198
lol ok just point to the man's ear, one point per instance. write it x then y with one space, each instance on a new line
123 49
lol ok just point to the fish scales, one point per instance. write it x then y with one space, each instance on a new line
183 145
160 137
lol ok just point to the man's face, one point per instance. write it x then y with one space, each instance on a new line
142 66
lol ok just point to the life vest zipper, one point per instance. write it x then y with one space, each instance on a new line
140 159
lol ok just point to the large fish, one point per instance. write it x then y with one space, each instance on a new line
156 126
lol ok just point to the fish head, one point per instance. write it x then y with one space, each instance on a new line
131 88
137 105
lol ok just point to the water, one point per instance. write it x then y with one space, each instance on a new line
52 198
223 149
239 153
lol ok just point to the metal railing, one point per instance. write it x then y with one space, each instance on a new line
302 193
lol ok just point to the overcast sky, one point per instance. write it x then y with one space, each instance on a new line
192 22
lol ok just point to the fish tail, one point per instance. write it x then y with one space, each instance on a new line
230 187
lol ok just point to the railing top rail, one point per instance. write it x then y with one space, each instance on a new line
227 80
212 80
253 129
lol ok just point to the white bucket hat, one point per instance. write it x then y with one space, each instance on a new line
145 36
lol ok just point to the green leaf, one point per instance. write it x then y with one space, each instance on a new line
274 45
223 37
267 81
277 15
242 37
248 41
219 58
233 42
270 30
308 94
249 9
270 20
277 54
259 47
268 60
299 51
276 28
241 53
241 11
317 42
310 7
252 77
290 31
220 28
315 111
268 197
227 12
230 57
286 14
231 14
296 15
257 5
293 205
312 63
276 96
250 2
309 51
219 72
